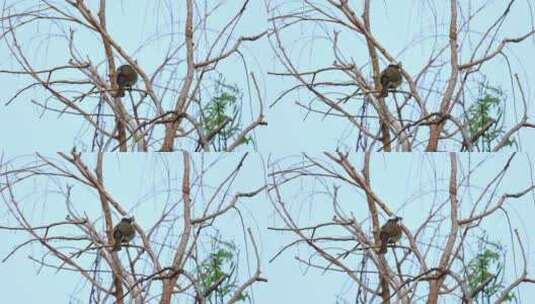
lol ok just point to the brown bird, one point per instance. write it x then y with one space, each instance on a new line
126 77
390 233
123 232
390 78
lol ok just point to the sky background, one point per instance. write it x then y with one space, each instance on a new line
409 183
25 128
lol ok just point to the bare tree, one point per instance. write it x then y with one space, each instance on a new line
167 260
435 107
435 260
179 65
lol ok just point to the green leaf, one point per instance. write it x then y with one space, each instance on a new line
487 264
220 264
487 107
223 106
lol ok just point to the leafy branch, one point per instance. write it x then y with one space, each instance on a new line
485 118
221 115
217 273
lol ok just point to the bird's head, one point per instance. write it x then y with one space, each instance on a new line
396 219
395 65
128 219
125 68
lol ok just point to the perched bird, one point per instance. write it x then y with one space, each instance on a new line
126 78
390 78
390 233
123 232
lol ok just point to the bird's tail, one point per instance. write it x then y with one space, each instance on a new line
382 248
116 246
384 92
120 92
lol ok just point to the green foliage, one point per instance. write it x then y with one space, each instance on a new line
486 271
223 106
217 273
488 107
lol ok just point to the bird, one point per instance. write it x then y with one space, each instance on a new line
126 77
123 232
390 78
390 233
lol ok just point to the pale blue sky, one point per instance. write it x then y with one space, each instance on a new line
23 130
138 181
